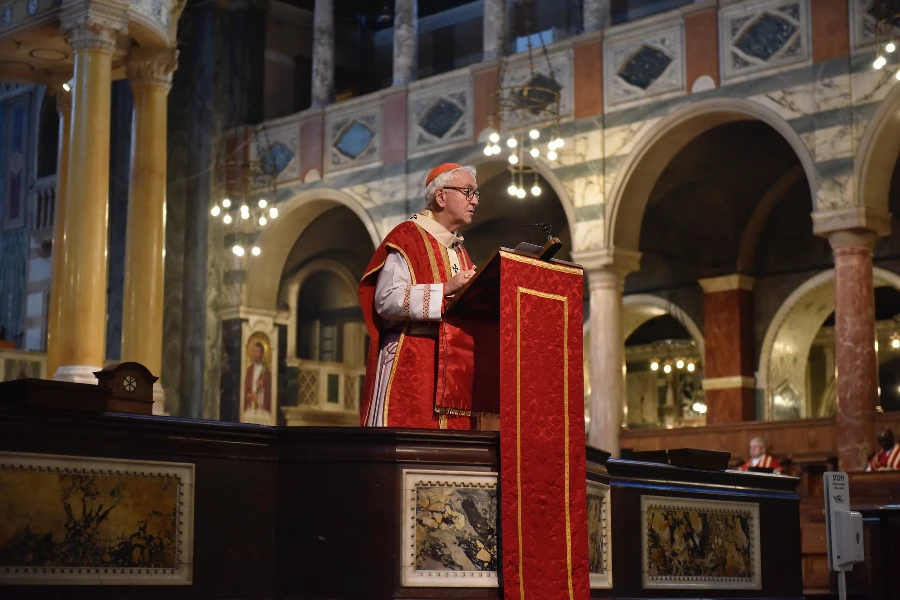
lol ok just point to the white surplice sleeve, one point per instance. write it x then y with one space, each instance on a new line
397 299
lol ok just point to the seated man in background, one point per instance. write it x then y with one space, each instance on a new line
888 458
759 459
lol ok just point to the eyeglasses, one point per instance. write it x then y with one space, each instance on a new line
468 192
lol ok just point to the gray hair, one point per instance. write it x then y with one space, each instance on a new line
759 441
443 180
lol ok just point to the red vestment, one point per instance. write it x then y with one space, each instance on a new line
410 394
765 462
886 461
264 386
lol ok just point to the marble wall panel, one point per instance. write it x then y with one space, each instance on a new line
864 30
644 65
758 37
450 529
552 71
275 152
599 535
696 544
52 505
440 114
352 136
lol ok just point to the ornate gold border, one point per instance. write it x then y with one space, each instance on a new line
542 263
519 291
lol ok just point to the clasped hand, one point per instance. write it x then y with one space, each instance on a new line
457 281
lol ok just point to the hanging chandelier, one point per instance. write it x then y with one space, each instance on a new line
887 17
519 111
244 217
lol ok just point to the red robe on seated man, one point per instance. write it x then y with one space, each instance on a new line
765 461
417 257
886 460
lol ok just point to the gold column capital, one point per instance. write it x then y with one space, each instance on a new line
152 69
93 24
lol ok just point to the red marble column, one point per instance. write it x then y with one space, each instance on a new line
854 346
728 337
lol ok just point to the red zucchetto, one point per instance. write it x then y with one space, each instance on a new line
438 170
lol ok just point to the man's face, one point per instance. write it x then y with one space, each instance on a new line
456 205
257 354
886 440
756 449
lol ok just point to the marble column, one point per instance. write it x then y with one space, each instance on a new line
150 75
854 345
606 270
597 15
82 309
728 335
64 108
494 28
323 54
406 43
200 131
607 348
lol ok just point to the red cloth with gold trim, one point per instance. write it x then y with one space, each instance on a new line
410 394
886 461
766 461
542 440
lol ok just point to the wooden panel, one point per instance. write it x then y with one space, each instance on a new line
813 540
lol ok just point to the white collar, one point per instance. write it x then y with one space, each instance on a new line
437 231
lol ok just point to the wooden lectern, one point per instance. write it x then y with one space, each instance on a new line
513 341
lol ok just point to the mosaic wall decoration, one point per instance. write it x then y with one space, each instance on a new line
275 150
644 65
759 36
699 544
863 24
439 115
550 72
85 521
352 137
599 535
15 155
450 535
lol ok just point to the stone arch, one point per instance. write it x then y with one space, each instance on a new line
275 242
637 309
663 141
489 168
290 290
879 149
789 337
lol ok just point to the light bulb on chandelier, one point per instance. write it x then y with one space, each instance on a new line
691 367
534 134
559 142
215 211
520 193
495 137
511 142
551 155
255 251
667 369
488 150
536 191
273 213
898 75
227 219
513 190
262 221
226 203
890 47
262 203
513 159
654 366
238 251
879 62
535 152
